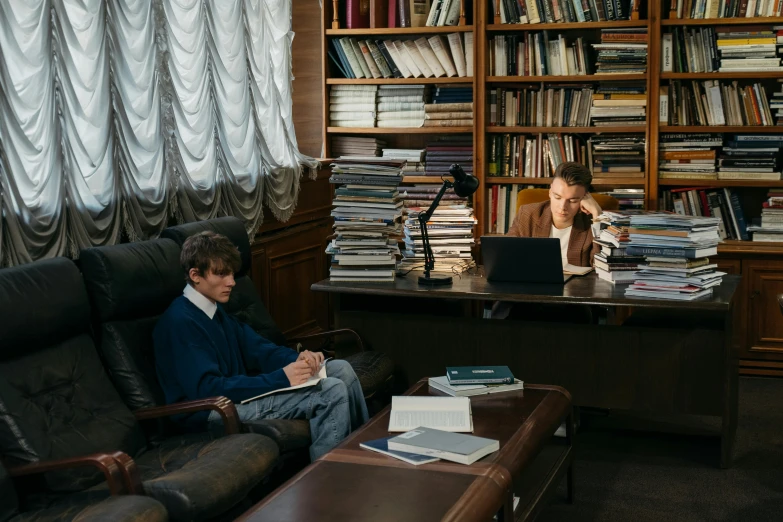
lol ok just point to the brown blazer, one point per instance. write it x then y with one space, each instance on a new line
535 220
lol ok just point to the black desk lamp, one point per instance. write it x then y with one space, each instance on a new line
464 185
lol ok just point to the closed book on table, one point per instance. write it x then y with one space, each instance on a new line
479 375
382 446
469 390
456 447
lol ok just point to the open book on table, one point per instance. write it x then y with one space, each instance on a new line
570 269
312 381
442 413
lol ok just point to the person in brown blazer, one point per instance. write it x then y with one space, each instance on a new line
567 215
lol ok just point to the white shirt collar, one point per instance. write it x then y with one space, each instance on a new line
198 299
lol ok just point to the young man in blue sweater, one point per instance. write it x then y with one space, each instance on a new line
202 351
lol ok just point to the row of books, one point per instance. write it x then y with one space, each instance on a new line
399 13
554 11
721 203
616 156
531 106
514 155
769 227
367 218
407 58
721 49
536 54
502 200
724 9
619 103
739 157
712 102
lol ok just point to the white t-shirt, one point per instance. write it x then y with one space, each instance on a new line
564 235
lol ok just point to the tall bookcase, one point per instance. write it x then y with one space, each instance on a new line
759 336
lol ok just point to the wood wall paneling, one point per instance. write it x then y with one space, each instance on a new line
307 55
765 325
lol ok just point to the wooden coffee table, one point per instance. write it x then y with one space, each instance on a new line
350 483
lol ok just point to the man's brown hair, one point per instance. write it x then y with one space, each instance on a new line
574 174
209 252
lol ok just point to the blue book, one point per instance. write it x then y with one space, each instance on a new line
479 375
382 446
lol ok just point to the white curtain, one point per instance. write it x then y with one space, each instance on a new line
119 115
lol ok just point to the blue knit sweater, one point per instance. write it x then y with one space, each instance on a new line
197 357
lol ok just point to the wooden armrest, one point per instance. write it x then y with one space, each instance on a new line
130 472
331 333
105 462
222 405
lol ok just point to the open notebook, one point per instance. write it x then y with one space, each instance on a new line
312 381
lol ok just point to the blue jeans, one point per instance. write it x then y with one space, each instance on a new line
335 407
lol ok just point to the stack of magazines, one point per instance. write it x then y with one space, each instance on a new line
367 218
676 249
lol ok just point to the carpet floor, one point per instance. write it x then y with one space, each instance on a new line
636 476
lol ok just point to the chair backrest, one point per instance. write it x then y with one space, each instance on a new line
130 286
537 195
780 302
56 401
245 302
9 502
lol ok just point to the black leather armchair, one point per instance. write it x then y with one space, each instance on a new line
375 370
130 286
57 404
117 508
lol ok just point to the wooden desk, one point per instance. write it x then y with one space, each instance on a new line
670 357
352 484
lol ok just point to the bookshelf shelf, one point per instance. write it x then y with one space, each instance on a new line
426 179
504 28
773 20
585 78
759 75
613 182
750 129
496 129
397 81
402 31
718 183
390 130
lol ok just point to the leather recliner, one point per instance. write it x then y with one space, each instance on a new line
375 370
118 508
57 404
130 286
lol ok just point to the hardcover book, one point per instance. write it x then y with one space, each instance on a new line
479 375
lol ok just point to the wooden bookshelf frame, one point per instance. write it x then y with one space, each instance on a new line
485 25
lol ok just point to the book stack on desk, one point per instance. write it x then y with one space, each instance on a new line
676 249
451 237
367 211
613 263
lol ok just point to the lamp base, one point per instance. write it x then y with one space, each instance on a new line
435 280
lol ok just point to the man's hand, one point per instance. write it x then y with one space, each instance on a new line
314 359
298 372
590 206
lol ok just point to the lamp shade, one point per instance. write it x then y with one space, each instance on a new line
464 183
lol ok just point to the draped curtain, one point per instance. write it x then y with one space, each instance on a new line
118 115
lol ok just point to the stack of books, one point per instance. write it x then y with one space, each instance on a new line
770 225
751 157
421 58
401 105
367 214
619 104
451 237
743 50
414 160
445 151
613 263
452 106
688 156
622 51
352 105
776 104
467 381
720 203
619 155
676 249
356 146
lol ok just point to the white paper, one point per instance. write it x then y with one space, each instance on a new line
312 381
443 413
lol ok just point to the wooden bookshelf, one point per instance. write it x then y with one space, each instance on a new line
758 75
397 81
629 129
400 31
584 78
396 130
772 20
717 129
577 26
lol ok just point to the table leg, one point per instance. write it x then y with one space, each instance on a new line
730 393
570 433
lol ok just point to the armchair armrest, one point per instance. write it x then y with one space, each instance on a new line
222 405
105 462
330 333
